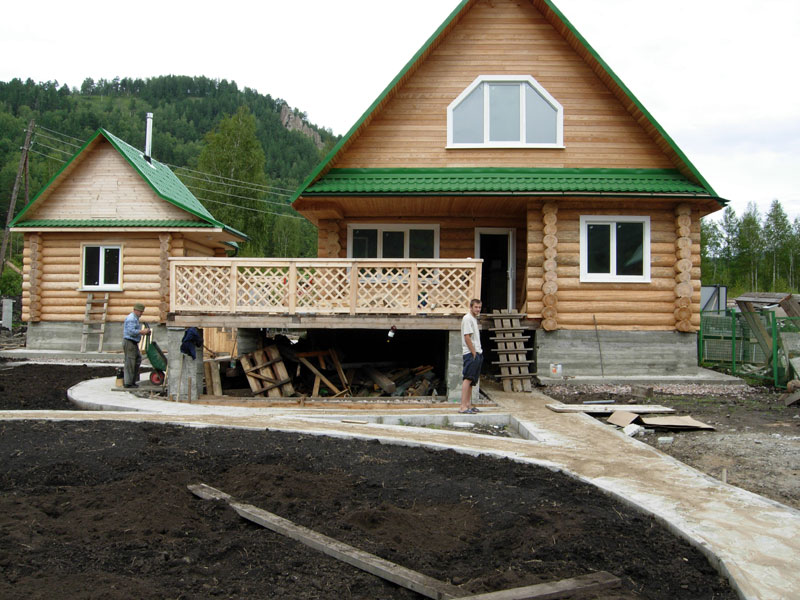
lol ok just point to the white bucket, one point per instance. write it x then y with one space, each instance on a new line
555 369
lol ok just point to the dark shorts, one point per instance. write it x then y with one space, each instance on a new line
472 367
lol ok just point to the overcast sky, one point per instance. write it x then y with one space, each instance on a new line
721 76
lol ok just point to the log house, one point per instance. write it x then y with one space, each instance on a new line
108 222
507 138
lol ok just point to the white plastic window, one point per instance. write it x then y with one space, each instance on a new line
615 248
502 111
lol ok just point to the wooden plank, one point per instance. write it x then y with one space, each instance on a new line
383 382
566 588
287 389
255 384
753 320
412 580
316 372
602 409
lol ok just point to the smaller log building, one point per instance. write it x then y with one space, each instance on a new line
99 236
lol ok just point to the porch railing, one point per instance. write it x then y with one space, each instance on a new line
323 286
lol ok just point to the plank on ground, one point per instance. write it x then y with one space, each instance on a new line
602 409
574 587
422 584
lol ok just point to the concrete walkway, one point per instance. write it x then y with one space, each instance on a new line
752 540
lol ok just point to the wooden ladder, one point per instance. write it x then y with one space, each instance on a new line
511 350
94 320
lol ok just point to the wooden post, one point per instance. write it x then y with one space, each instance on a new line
23 166
292 288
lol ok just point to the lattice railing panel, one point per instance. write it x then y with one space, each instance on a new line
363 286
445 290
323 289
202 288
383 290
262 288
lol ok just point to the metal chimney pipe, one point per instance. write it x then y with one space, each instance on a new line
148 140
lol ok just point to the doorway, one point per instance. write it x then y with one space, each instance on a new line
496 247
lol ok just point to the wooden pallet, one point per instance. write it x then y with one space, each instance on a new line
266 372
94 320
514 364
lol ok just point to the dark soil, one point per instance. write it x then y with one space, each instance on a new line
101 510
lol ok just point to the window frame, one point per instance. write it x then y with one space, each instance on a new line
612 277
487 143
102 287
383 227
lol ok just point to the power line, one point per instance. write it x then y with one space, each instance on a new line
35 142
230 178
44 135
61 160
266 212
253 186
194 187
61 134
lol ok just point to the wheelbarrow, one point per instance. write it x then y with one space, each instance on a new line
157 360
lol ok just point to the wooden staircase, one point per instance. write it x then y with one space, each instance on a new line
94 320
514 365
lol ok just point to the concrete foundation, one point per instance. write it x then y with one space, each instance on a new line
616 353
65 336
455 366
185 381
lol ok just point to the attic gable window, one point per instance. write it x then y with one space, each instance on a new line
505 111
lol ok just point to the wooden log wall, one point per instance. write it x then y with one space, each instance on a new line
674 271
164 241
32 278
329 240
550 267
683 268
52 274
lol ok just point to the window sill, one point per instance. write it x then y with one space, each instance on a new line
502 145
610 279
101 288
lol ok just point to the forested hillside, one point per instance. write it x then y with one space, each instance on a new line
247 185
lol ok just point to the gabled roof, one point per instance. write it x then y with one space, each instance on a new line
160 177
561 24
482 181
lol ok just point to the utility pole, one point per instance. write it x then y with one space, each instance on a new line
23 167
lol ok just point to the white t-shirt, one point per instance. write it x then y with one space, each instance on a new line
469 326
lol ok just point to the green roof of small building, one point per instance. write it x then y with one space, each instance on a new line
160 178
480 181
105 223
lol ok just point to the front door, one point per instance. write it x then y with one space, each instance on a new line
496 247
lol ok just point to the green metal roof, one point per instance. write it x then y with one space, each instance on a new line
160 178
105 223
477 181
452 18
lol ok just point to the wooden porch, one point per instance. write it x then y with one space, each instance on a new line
360 293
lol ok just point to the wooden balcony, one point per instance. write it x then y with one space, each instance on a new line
323 287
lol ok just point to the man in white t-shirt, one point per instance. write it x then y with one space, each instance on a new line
473 355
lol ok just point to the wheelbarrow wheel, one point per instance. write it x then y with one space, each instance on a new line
156 377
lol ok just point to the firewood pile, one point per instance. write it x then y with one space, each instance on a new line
279 370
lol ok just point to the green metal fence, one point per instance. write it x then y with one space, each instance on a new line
760 345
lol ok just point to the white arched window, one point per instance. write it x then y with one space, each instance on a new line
505 111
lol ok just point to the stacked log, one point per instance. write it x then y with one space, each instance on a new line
550 267
683 269
35 278
329 241
165 240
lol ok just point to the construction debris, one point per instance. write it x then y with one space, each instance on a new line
284 370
